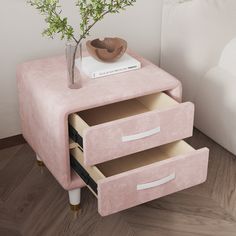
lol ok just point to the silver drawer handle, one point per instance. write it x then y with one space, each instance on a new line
141 135
156 183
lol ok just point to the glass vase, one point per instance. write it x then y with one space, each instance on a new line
73 58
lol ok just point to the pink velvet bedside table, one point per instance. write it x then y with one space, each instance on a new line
125 132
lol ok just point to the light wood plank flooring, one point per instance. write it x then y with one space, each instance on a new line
33 203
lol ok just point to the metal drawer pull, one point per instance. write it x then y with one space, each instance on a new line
141 135
156 183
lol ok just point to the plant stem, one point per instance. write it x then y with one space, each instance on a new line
79 41
73 62
88 29
58 16
81 38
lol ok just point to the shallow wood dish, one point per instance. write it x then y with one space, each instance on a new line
107 50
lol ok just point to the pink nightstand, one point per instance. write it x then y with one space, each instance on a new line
125 133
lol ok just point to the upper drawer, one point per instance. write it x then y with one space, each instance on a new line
132 180
123 128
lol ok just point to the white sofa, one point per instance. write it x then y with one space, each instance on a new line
199 48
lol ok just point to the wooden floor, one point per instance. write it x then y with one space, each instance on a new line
32 202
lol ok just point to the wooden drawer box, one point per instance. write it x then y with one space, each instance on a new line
132 180
119 129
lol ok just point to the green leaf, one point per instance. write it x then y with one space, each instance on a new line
91 12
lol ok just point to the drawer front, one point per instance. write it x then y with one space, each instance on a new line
150 182
122 137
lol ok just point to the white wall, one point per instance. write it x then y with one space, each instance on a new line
20 35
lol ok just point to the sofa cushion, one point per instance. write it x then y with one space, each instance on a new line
194 34
228 57
194 38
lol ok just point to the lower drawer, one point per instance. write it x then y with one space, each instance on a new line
135 179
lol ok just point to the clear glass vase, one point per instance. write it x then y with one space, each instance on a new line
73 53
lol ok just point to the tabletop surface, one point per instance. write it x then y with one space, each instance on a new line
48 77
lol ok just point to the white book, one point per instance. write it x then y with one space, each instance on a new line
95 69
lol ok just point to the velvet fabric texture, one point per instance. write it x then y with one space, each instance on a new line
120 192
104 142
45 102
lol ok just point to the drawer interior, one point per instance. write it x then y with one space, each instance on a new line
127 108
144 158
119 110
133 161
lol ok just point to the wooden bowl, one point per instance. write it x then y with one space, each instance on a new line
107 50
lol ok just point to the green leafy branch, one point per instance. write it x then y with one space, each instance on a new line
91 11
94 10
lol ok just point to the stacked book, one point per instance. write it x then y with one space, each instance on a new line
95 69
